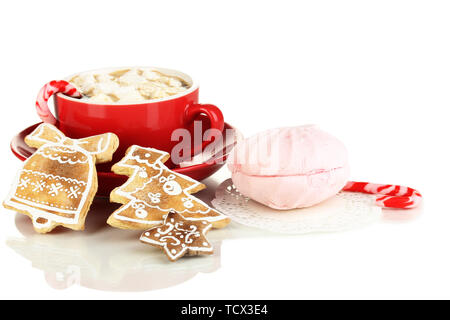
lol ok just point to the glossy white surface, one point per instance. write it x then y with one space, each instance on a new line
374 74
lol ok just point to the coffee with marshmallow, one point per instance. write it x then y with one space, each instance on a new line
127 85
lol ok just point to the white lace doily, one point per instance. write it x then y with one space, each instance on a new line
347 210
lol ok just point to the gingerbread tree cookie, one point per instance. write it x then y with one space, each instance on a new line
58 182
152 191
178 236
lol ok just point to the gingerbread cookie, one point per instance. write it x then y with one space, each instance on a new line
179 236
58 182
152 191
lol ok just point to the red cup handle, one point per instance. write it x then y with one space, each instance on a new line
47 91
215 117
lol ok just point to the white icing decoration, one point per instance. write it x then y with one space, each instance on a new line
39 185
139 210
171 187
191 232
54 189
154 197
49 175
187 202
44 151
158 166
143 174
62 140
36 208
36 134
141 213
23 183
73 192
38 225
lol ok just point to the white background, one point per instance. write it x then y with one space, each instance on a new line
376 74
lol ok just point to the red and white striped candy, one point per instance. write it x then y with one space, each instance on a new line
47 91
390 196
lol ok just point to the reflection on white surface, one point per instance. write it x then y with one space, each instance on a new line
105 258
399 215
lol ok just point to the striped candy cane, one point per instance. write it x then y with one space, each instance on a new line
390 196
47 91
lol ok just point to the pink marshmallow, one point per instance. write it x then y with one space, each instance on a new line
289 168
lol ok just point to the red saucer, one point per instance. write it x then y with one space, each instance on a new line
107 180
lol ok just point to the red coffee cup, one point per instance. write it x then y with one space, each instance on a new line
149 123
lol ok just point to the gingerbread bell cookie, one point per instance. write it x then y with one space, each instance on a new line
179 236
153 190
58 182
